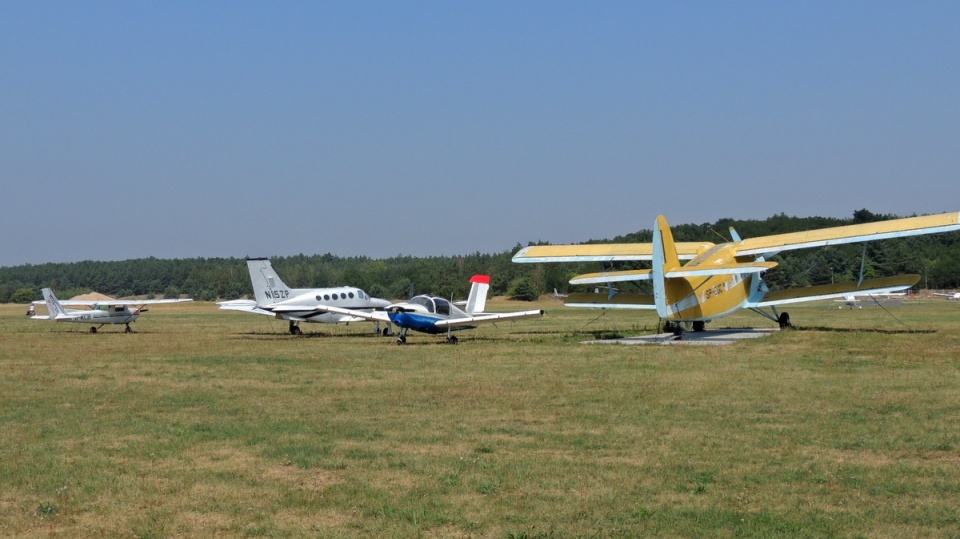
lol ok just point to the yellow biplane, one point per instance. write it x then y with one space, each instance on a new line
720 279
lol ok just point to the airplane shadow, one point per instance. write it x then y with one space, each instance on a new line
866 330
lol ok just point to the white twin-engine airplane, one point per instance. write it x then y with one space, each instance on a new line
101 312
436 315
274 298
722 279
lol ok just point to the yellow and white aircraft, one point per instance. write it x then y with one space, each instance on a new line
721 279
101 312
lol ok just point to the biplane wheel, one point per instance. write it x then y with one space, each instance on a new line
93 330
784 320
699 325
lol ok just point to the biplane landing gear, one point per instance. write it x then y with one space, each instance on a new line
784 320
295 328
93 329
699 326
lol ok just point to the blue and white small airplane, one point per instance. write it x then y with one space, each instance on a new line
101 312
275 298
435 315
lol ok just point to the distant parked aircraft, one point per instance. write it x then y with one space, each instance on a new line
954 296
853 300
558 296
436 315
275 298
101 312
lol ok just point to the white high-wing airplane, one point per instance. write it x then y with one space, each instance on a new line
275 298
954 296
436 315
101 312
853 300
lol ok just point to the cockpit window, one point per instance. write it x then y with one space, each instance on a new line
443 306
362 295
424 301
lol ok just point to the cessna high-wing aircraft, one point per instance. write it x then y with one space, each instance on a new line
274 298
101 312
436 315
721 279
954 296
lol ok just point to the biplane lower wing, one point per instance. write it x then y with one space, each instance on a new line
883 285
600 300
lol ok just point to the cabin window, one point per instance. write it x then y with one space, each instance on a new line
326 297
351 295
443 306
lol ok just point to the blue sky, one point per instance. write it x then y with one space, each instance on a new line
208 129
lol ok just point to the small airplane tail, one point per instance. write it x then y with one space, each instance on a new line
664 259
267 286
54 308
477 301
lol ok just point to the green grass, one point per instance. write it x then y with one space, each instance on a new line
205 423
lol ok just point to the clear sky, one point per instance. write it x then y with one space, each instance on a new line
181 129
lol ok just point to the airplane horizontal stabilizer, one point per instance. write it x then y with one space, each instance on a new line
722 269
611 277
600 300
838 290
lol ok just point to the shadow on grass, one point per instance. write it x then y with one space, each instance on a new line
867 330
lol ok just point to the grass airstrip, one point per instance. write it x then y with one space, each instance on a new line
205 423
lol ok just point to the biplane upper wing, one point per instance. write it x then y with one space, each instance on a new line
894 228
602 252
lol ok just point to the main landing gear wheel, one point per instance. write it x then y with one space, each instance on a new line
128 330
295 328
452 339
699 326
93 330
402 339
784 320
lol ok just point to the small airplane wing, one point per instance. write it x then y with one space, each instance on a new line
94 302
882 285
375 316
720 269
602 252
894 228
486 318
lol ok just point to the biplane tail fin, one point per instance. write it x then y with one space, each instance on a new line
665 259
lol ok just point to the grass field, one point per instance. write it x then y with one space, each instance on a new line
205 423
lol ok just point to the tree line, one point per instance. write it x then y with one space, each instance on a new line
935 257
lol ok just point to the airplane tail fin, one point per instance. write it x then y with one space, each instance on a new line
267 286
664 259
54 308
477 301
